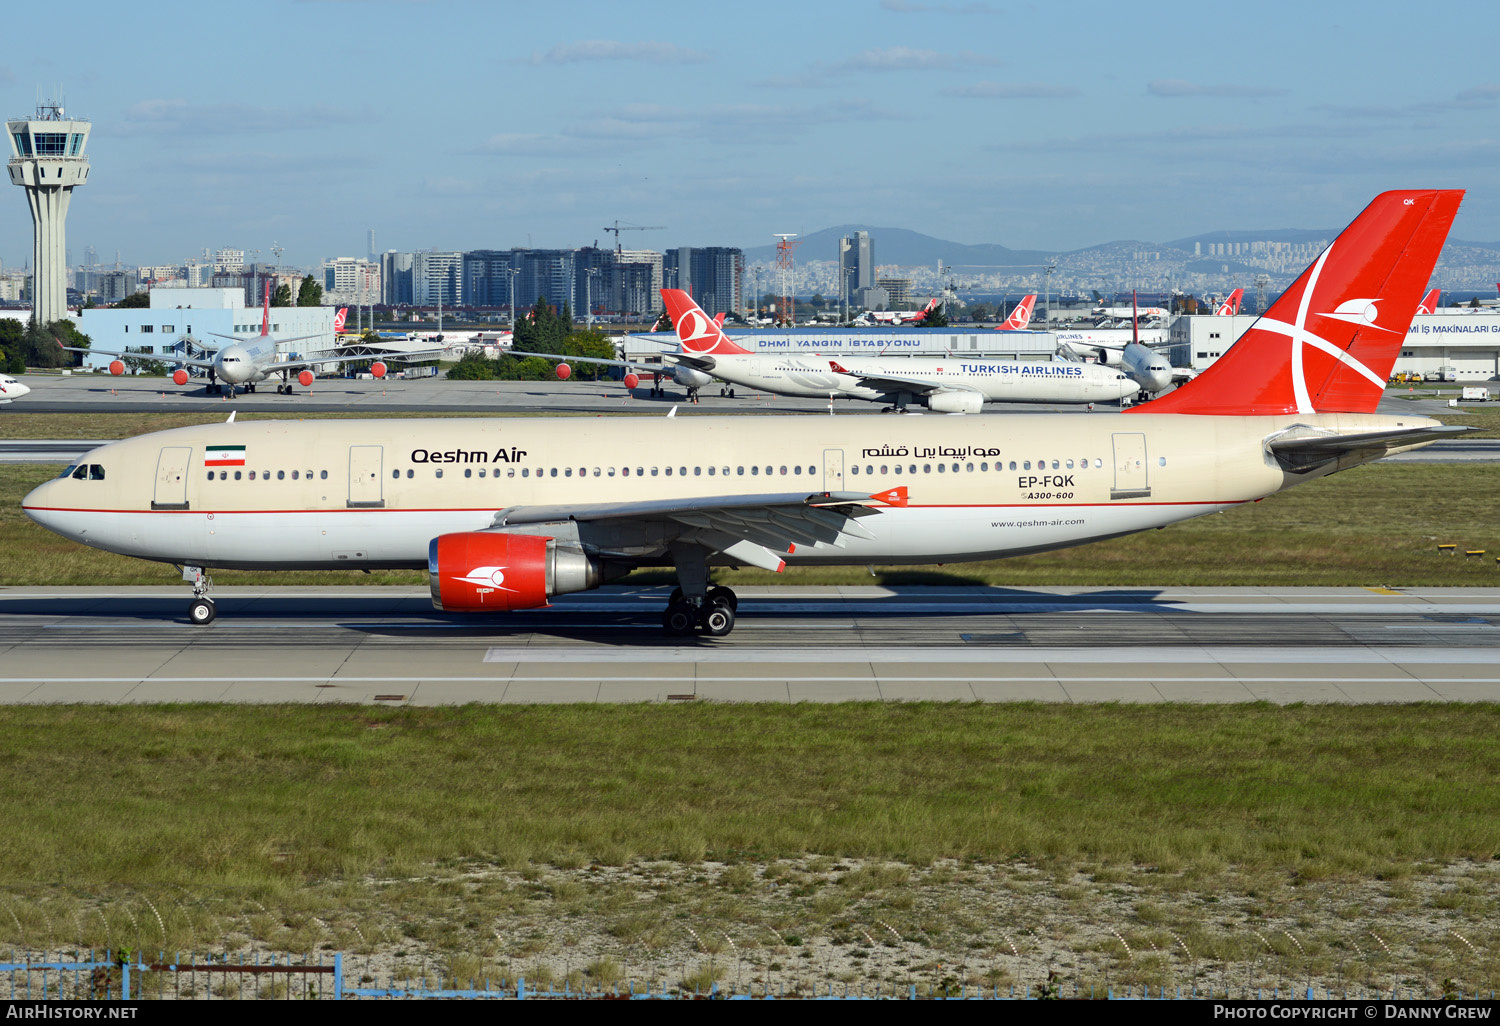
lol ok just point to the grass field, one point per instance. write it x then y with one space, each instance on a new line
540 839
1371 526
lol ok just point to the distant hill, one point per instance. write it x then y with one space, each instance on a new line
902 246
908 248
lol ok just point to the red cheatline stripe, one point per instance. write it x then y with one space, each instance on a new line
491 509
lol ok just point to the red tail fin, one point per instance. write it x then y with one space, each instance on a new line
1020 316
922 313
696 331
265 317
1430 302
339 319
1230 306
1328 344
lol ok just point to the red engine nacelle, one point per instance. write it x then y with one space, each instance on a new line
631 380
306 378
179 377
564 372
116 367
479 571
378 369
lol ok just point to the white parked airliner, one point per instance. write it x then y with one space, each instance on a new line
249 363
11 389
949 385
505 513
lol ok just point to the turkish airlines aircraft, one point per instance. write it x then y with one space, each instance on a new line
246 363
506 513
901 316
1020 316
1429 304
1231 306
949 385
11 389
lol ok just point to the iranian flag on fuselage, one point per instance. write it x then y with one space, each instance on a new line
224 456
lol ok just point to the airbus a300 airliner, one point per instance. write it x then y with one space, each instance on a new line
506 513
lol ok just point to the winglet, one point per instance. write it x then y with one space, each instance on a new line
893 497
231 416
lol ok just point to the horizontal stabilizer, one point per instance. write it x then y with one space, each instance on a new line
1313 448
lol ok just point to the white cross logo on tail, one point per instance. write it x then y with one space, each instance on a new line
1355 311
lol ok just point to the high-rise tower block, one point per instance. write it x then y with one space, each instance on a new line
48 161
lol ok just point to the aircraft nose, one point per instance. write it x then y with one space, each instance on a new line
37 507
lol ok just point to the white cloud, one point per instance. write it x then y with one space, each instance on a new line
1012 91
906 58
590 50
1176 88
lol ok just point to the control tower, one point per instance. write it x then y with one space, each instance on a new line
47 159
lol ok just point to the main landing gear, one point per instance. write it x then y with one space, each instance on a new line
712 614
201 610
726 393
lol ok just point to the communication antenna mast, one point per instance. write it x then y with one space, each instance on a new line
628 227
787 315
1261 281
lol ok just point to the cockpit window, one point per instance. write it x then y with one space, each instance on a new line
81 474
96 472
67 471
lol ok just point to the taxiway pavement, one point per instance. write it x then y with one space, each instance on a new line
388 646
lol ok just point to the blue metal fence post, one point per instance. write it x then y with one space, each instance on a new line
125 980
338 976
521 988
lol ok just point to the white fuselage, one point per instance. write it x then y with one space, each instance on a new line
241 362
1014 381
11 389
374 493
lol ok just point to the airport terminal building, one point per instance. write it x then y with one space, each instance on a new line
182 319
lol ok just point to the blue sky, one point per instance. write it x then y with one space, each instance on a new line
450 124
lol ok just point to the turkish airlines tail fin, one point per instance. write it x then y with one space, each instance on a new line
696 331
1020 316
1430 302
922 313
1328 344
339 319
1230 306
719 319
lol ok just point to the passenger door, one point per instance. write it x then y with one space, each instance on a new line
171 478
364 477
833 470
1130 467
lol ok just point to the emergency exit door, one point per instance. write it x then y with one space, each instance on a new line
833 470
1131 480
364 477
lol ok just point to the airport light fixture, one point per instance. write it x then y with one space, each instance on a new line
1047 278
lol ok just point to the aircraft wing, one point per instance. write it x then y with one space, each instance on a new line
756 530
421 354
161 357
1304 450
703 363
884 383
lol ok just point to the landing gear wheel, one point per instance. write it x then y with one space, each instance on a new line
731 393
721 393
725 595
202 611
678 619
249 386
718 619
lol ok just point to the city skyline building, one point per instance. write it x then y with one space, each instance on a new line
49 161
856 265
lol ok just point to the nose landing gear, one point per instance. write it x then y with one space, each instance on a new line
201 610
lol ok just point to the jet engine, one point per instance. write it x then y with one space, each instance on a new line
632 380
689 378
955 402
497 571
306 378
564 372
179 377
378 369
116 367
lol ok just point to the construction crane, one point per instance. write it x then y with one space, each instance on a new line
627 227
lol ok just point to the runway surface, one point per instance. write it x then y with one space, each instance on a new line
388 646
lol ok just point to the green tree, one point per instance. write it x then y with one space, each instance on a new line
13 346
42 345
473 366
664 322
592 344
135 301
310 293
282 296
938 318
